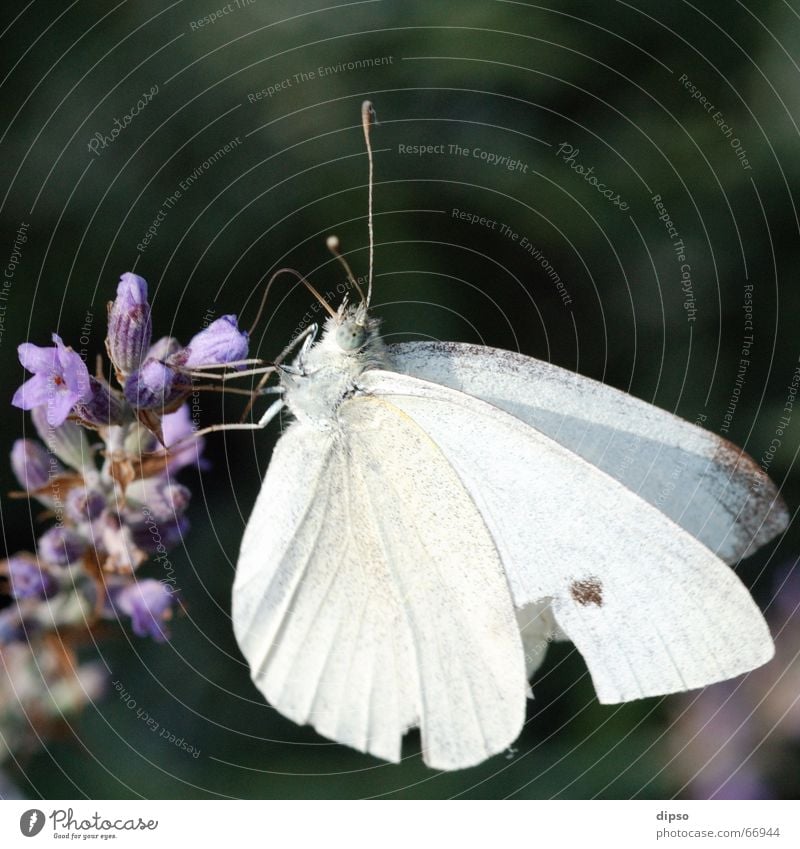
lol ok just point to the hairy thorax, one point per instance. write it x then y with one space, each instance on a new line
328 376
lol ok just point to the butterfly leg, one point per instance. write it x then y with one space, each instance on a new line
307 337
228 375
268 416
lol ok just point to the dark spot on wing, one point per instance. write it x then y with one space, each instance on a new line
588 591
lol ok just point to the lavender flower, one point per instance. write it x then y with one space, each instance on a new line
129 324
163 499
13 627
27 580
149 605
219 343
117 546
160 538
31 464
61 546
60 380
67 441
176 428
84 505
115 501
728 741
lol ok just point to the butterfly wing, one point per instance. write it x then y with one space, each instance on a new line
370 598
650 608
701 481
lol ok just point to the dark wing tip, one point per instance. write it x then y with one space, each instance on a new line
764 514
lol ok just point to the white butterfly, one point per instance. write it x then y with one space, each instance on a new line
438 512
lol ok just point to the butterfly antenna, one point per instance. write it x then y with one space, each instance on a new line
368 118
299 277
333 246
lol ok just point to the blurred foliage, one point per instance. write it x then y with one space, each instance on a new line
509 78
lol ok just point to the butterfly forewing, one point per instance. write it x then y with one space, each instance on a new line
701 481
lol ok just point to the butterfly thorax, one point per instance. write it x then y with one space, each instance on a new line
328 372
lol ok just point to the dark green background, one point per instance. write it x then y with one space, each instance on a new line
511 78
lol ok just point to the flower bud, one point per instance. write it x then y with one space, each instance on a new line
121 551
155 386
176 428
67 441
84 505
158 538
164 348
28 580
129 324
157 499
61 546
13 628
149 605
31 464
219 343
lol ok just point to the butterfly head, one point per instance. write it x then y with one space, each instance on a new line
350 341
352 328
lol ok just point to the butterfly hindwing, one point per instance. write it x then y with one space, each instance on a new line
650 608
370 597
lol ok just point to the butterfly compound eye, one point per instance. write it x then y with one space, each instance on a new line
351 336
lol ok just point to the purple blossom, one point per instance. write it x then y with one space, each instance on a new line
219 343
31 464
160 497
13 628
155 386
61 546
166 348
175 428
117 542
28 580
117 504
60 379
84 505
155 538
67 441
129 324
149 605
